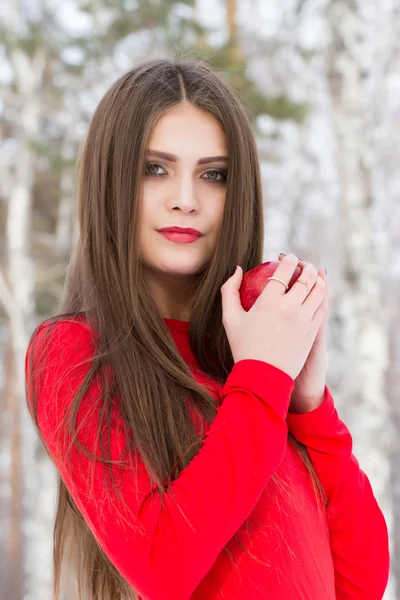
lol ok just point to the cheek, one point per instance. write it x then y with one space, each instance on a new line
151 189
147 207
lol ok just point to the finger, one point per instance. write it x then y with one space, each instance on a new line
284 272
323 275
299 293
302 263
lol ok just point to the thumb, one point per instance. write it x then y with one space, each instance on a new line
230 293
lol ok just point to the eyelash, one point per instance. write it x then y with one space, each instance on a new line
222 172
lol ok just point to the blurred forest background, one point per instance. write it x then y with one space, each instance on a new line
321 82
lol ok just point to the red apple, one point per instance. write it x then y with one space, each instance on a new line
255 280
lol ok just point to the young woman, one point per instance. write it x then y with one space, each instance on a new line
193 460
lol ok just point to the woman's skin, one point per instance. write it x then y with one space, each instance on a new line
185 194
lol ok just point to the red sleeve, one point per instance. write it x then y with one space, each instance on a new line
216 492
358 531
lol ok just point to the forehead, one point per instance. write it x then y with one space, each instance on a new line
187 127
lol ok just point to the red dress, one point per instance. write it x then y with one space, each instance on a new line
178 554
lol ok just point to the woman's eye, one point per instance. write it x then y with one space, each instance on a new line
151 168
217 172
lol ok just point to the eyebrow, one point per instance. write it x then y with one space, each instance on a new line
173 158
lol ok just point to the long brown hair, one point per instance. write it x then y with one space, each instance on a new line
105 284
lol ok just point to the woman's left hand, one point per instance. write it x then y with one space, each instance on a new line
309 385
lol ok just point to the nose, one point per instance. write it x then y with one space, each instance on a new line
185 194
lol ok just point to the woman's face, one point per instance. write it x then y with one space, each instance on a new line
178 191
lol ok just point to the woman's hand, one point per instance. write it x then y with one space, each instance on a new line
309 385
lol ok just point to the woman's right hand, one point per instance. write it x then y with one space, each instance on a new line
280 327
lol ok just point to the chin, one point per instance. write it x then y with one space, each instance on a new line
172 269
181 265
176 264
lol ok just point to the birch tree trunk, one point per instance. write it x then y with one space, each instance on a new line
385 94
21 278
30 543
365 329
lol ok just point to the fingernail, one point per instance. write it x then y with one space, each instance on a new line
236 269
282 254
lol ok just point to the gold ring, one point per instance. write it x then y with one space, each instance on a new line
304 282
277 279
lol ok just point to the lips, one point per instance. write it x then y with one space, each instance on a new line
185 238
187 230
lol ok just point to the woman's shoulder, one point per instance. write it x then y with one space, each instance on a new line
67 337
63 327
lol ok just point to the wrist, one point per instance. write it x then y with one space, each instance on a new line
301 405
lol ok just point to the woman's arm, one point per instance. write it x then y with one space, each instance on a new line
216 492
358 531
